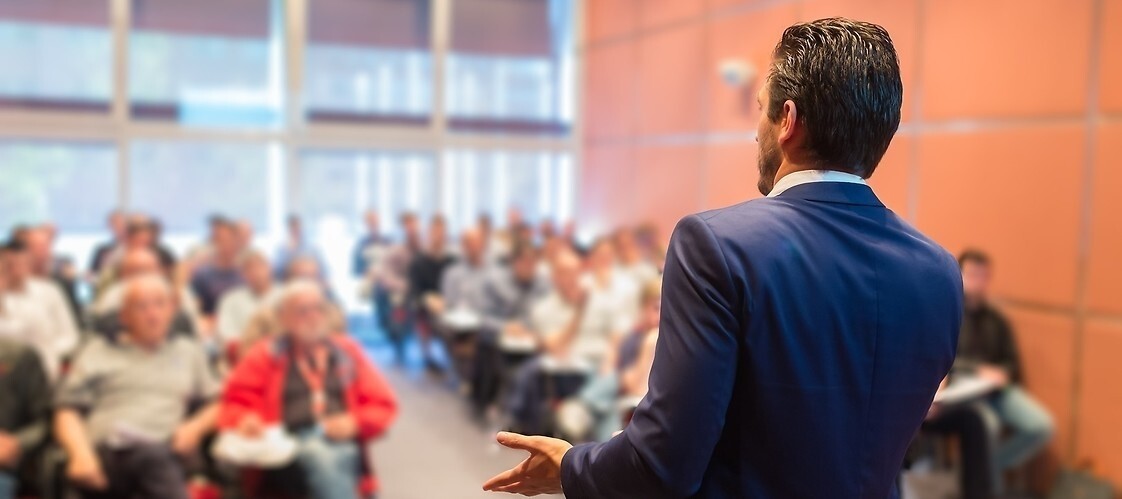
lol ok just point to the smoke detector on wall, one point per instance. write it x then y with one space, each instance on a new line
737 73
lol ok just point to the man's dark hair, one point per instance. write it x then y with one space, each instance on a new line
13 246
523 250
844 78
973 256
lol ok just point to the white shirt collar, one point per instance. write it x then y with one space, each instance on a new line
809 176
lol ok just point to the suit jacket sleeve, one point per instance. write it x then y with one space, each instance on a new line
665 451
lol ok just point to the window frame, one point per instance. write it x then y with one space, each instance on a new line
297 133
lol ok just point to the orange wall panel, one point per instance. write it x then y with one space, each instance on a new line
1104 272
656 13
1047 346
1005 58
899 17
610 110
610 18
671 76
998 190
892 179
1110 63
668 183
730 174
1100 406
748 36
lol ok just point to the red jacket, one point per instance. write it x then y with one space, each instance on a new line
256 386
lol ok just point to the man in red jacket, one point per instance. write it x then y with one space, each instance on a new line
320 387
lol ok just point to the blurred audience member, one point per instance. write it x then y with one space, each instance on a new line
371 247
461 287
610 280
238 306
136 262
390 281
595 413
266 324
294 246
425 274
24 410
243 232
124 412
45 264
986 348
576 326
117 224
319 387
219 272
507 296
632 262
40 306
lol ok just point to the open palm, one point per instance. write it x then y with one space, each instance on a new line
540 473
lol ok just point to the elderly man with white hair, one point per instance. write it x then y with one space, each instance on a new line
315 386
124 412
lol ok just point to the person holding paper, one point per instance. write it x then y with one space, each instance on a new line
320 388
804 334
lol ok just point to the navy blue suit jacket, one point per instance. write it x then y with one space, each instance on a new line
802 339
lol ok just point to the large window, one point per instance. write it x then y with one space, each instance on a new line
206 62
182 183
510 66
73 184
56 54
368 60
539 184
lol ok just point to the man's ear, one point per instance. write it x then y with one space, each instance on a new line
788 122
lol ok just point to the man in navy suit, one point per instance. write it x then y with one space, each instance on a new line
803 334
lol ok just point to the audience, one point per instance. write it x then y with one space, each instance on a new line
295 246
319 387
390 282
39 304
576 326
507 296
987 349
133 407
117 224
219 272
237 306
24 408
425 274
561 342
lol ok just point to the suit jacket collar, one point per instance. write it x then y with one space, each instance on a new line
833 192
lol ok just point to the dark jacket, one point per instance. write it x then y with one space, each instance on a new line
802 339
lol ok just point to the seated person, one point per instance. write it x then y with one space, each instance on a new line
986 348
595 412
607 278
576 328
320 387
123 412
40 308
219 272
505 311
970 425
137 262
461 286
24 409
265 324
238 306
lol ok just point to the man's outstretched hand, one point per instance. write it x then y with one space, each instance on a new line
540 473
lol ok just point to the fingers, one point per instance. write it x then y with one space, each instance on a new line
521 442
507 477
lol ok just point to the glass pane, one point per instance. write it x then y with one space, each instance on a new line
206 62
73 184
539 184
182 183
368 60
56 53
510 66
337 186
